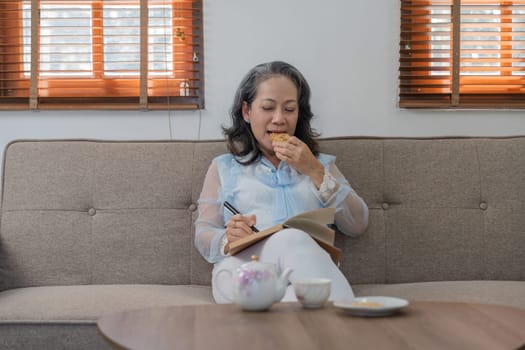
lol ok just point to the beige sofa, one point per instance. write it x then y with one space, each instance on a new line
91 227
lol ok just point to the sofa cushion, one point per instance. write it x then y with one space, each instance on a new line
71 209
441 209
511 293
85 303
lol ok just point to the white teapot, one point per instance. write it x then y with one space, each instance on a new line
256 285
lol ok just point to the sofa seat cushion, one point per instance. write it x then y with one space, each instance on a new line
86 303
510 293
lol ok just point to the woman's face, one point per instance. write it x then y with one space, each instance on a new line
274 109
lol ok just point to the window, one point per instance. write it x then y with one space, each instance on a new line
462 54
101 54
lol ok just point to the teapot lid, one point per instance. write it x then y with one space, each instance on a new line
256 265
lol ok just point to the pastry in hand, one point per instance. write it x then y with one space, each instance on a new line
279 136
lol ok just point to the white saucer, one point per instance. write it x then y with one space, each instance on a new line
377 306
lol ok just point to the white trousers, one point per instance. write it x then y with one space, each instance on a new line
287 248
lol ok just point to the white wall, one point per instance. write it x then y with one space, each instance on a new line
348 54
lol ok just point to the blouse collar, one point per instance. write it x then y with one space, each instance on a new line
283 175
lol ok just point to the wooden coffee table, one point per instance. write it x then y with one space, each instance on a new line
422 325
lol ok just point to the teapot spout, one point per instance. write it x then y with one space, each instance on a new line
282 283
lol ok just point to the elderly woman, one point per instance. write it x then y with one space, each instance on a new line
270 179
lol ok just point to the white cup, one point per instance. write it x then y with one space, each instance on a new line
313 292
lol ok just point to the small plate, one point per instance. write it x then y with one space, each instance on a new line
372 306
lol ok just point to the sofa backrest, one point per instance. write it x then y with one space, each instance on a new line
116 212
99 212
440 208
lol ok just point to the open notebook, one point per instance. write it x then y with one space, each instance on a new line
313 222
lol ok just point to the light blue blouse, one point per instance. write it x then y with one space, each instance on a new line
272 194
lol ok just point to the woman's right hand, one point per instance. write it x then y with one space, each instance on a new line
239 226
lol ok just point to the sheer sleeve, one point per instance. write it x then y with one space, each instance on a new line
209 226
351 216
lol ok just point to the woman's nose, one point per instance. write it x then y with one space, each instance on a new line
278 117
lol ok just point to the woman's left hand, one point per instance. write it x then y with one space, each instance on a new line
296 153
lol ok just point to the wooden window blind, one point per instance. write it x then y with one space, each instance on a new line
101 54
462 54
